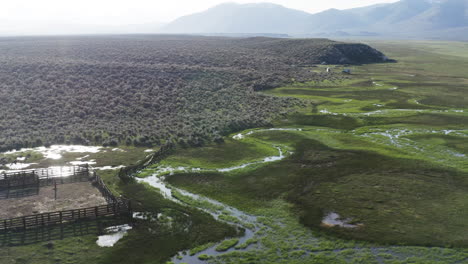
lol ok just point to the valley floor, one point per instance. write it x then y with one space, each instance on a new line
373 170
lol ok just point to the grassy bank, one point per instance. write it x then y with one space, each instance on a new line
384 149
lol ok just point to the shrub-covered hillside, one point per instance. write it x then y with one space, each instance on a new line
144 90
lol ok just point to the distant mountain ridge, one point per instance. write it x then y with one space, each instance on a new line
446 19
236 18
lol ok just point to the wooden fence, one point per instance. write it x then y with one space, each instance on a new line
44 177
19 180
59 171
108 195
115 206
120 207
127 173
18 193
49 233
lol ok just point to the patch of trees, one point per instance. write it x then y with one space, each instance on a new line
140 90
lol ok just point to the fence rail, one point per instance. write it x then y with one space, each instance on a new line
115 206
59 171
108 195
49 233
127 173
43 177
120 207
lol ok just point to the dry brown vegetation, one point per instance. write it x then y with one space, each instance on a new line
145 90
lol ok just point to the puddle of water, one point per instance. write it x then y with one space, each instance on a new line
238 136
79 162
265 160
458 155
115 233
333 219
55 151
109 167
373 113
118 150
149 150
84 157
241 136
156 182
284 129
146 216
325 111
19 166
396 137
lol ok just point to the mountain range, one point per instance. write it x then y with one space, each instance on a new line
406 19
432 19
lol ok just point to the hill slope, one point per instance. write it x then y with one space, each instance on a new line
406 18
235 18
144 90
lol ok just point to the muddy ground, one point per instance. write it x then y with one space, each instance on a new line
69 196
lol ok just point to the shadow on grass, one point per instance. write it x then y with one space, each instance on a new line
397 201
96 227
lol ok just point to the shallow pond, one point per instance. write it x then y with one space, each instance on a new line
114 234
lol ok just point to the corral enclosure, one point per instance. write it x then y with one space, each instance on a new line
145 90
42 200
36 198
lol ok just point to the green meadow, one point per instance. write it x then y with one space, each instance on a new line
384 149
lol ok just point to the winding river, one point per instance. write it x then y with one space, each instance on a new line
217 209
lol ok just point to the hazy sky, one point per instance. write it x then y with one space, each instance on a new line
118 12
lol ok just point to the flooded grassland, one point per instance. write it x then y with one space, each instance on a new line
373 170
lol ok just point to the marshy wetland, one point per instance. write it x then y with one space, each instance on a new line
371 168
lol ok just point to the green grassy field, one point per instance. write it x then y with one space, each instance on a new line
230 153
385 148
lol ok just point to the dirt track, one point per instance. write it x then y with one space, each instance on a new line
69 196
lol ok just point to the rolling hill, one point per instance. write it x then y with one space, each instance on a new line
143 90
447 19
246 18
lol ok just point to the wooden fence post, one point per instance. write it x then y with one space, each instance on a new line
115 205
130 206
